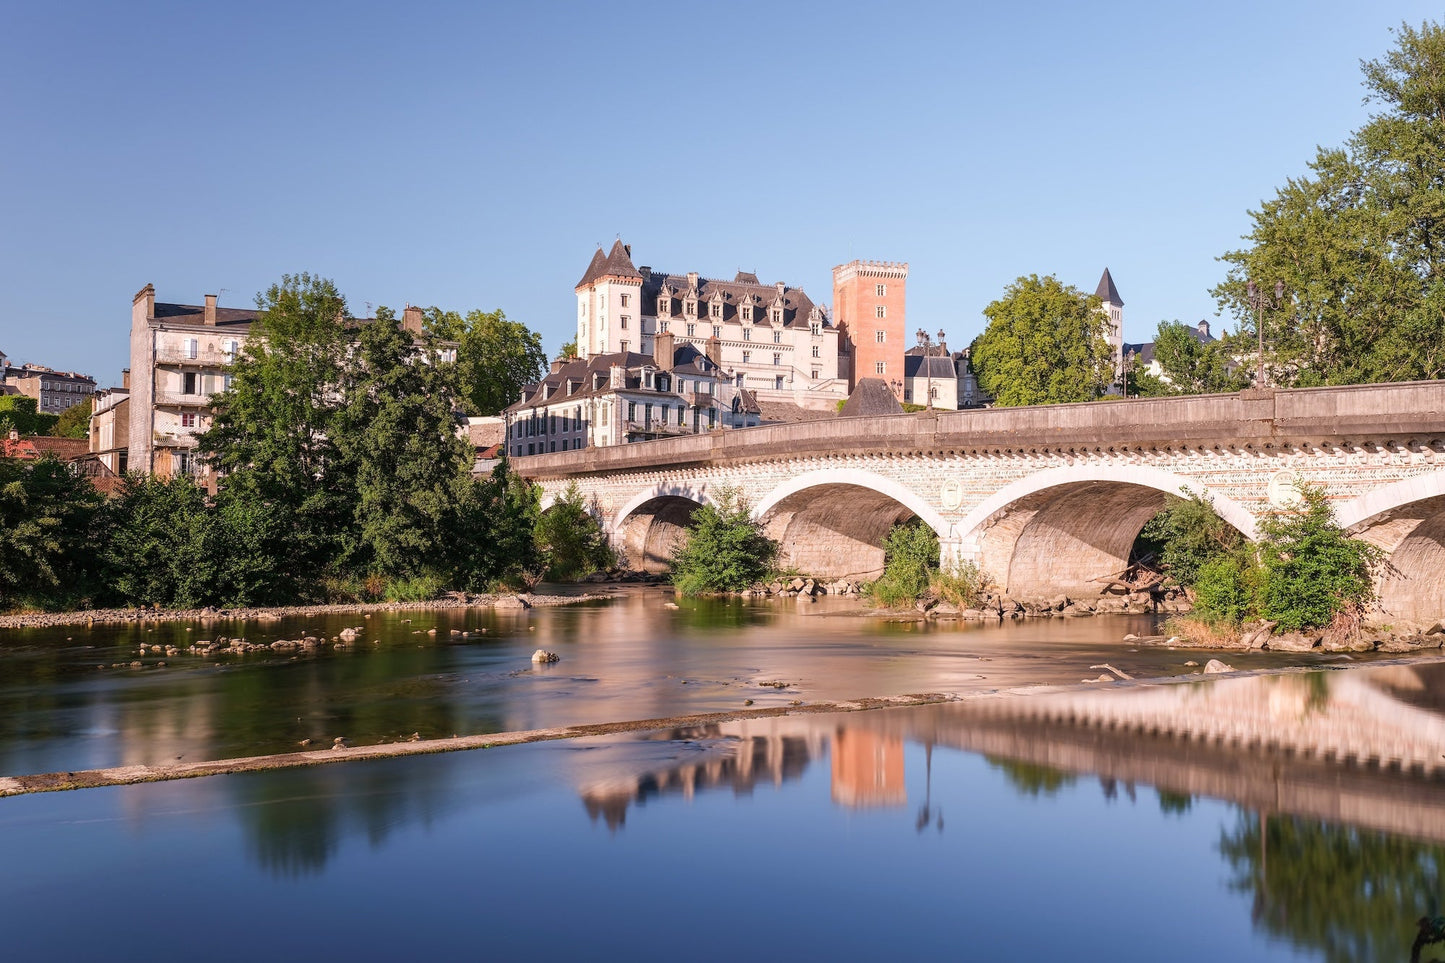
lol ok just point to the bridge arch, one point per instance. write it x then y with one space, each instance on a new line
653 522
1407 520
831 522
1062 529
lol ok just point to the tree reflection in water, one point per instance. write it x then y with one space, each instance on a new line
1351 894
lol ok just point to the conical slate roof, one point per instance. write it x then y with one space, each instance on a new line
1107 292
594 270
871 397
619 263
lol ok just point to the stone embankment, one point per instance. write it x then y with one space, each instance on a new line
997 608
104 616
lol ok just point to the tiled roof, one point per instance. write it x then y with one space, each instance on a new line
687 362
933 366
797 306
619 263
785 412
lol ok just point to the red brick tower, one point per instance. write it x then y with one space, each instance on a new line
869 305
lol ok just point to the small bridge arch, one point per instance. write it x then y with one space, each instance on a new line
831 522
653 522
1062 529
1407 520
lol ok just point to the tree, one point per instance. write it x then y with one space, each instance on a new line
1312 569
1194 367
161 549
570 540
910 553
1139 383
1044 344
495 356
1358 241
494 540
18 413
568 349
274 434
726 549
73 422
396 439
50 523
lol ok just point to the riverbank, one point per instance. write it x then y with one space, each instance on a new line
509 600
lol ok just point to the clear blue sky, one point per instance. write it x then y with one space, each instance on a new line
473 154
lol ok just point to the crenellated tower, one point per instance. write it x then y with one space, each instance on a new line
869 309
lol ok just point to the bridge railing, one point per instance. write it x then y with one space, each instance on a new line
1255 417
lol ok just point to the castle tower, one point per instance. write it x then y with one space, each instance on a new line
1113 306
869 309
609 304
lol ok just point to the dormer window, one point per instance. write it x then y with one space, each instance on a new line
664 306
716 309
777 315
816 328
748 313
689 308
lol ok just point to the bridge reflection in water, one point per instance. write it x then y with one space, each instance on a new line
1338 840
1362 747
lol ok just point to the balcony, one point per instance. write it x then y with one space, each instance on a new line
178 399
205 358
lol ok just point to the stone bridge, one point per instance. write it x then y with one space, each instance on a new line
1047 499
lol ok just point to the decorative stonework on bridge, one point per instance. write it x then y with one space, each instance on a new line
1046 499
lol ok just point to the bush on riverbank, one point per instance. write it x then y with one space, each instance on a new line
910 559
1303 572
726 550
570 539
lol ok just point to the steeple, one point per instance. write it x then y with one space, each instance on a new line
1107 292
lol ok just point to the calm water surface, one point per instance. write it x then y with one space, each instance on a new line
887 834
65 705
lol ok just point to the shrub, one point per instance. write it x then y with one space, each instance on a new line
1225 588
416 588
570 540
1187 534
959 583
910 555
725 551
1312 569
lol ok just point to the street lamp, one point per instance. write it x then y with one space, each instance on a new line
1259 301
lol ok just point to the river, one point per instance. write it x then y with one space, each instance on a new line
1293 816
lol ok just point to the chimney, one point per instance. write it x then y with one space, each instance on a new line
618 376
411 319
714 352
557 364
210 310
125 378
646 272
662 351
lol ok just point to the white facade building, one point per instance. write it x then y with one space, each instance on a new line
772 339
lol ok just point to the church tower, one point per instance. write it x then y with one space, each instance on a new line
869 300
1113 306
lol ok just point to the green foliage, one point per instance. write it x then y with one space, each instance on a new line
568 349
495 356
1044 344
1348 893
570 539
1185 535
1359 240
1031 779
1225 588
1312 569
161 550
50 522
1192 366
910 555
959 583
494 538
275 434
18 412
725 551
73 422
396 439
417 588
1139 383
